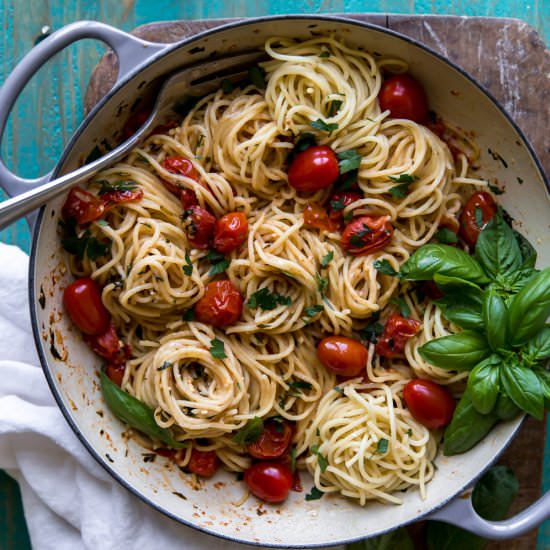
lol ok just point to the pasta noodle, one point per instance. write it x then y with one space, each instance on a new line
238 143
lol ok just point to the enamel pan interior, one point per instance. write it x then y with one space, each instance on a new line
71 368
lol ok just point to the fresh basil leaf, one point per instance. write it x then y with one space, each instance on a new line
495 317
483 384
538 348
217 348
529 309
448 283
523 387
467 427
459 352
251 432
505 408
432 259
544 378
460 304
446 236
528 252
323 126
312 311
396 540
135 413
349 160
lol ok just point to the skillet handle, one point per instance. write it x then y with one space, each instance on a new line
460 512
131 53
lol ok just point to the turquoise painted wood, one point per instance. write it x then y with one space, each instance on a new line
50 108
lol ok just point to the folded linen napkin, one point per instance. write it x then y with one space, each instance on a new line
70 502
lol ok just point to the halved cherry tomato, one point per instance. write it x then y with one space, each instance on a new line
203 463
316 217
115 373
83 206
221 304
404 97
342 355
181 166
396 333
339 201
117 197
82 299
476 214
188 198
366 234
231 230
200 226
273 441
109 346
431 404
269 481
313 169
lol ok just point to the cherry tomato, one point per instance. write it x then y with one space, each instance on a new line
135 122
221 304
316 217
181 166
203 463
82 300
366 234
188 198
83 206
396 333
115 373
431 404
200 226
431 290
313 169
269 481
106 344
342 355
273 441
117 197
339 201
164 128
404 97
476 214
231 230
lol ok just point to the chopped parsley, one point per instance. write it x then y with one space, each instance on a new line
227 86
256 75
338 205
403 178
217 349
85 245
373 330
349 161
333 107
404 308
321 459
188 267
298 386
323 126
400 191
115 186
322 283
266 300
312 311
324 54
382 446
304 141
446 236
385 268
338 389
219 262
314 494
327 258
251 432
496 189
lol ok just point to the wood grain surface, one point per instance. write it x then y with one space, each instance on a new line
519 79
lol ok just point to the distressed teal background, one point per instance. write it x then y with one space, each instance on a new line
51 106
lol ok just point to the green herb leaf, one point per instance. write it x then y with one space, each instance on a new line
400 191
135 413
372 331
188 267
84 245
458 352
333 107
300 385
251 432
396 540
495 317
523 387
321 459
538 348
446 236
404 309
505 408
267 300
327 258
227 86
348 161
461 302
385 268
115 186
256 75
188 315
322 283
217 348
324 54
304 141
403 178
312 311
483 384
528 252
314 494
495 189
165 365
382 446
323 126
219 262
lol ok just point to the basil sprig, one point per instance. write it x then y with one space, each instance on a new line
502 302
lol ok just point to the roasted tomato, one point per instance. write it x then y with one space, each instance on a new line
313 169
231 230
396 333
181 166
109 346
366 234
164 128
82 300
476 214
135 122
83 206
117 197
115 373
273 441
431 404
339 201
188 199
200 226
404 97
221 304
431 290
269 481
342 355
203 463
316 217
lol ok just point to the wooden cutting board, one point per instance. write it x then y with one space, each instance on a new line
509 58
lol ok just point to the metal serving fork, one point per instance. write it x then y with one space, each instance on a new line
195 80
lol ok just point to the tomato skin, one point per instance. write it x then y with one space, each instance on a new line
118 197
339 201
269 481
221 304
316 217
82 206
274 440
188 199
396 333
313 169
366 234
115 373
231 231
164 128
342 355
469 229
431 404
82 300
203 463
181 166
200 226
135 122
404 97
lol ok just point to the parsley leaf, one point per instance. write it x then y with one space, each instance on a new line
312 311
403 178
219 262
86 244
323 126
373 330
299 385
165 365
334 107
385 267
496 189
338 205
349 160
256 75
188 267
115 186
217 349
315 494
266 300
404 309
227 86
446 236
304 141
382 446
327 258
324 54
322 283
321 459
400 191
251 432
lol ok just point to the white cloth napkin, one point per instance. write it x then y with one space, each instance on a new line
70 503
